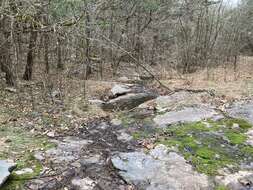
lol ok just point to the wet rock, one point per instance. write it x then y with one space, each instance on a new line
187 114
160 169
243 110
128 101
242 180
118 90
24 171
84 184
5 168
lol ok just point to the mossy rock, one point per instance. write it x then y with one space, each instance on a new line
210 147
20 148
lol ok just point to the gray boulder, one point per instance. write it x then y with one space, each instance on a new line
118 90
243 110
242 180
187 114
5 168
159 170
128 101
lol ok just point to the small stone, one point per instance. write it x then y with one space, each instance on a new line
56 94
124 137
208 125
217 156
24 171
84 184
51 134
236 126
76 165
96 102
116 122
10 89
91 160
245 182
39 156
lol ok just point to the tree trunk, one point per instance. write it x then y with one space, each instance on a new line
88 34
5 56
30 56
60 65
46 44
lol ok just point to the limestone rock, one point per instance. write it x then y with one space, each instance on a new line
116 122
242 180
159 170
124 137
5 168
24 171
243 110
176 100
118 90
128 101
187 114
67 150
84 184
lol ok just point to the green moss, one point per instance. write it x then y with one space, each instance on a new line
236 138
16 182
20 148
242 123
247 150
140 135
205 153
221 187
170 142
205 146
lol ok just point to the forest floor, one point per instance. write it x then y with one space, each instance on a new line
61 141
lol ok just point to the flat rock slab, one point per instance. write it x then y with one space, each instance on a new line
67 150
178 99
159 170
128 101
243 110
84 184
5 168
187 114
242 180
